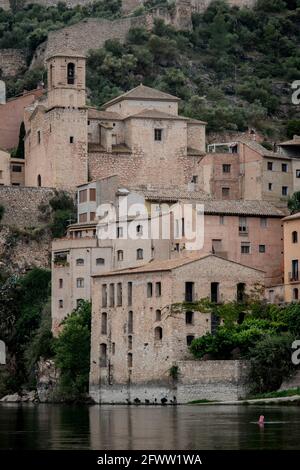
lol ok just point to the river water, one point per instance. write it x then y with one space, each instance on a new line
41 426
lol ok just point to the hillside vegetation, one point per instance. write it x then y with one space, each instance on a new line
234 69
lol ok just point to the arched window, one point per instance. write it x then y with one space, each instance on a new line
158 315
100 261
39 180
80 262
158 333
104 323
295 294
139 229
295 237
139 253
120 255
71 73
103 355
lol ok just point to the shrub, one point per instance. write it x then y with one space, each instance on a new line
271 362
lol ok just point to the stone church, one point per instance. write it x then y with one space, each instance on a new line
138 136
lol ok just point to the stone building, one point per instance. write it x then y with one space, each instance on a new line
12 115
140 329
4 168
291 230
247 232
244 169
139 135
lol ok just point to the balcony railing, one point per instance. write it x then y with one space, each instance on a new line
293 277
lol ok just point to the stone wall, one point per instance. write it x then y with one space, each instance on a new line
20 247
198 380
21 205
82 36
12 62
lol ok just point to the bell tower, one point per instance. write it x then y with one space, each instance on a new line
66 80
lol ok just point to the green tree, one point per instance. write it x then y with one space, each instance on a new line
294 202
72 352
271 362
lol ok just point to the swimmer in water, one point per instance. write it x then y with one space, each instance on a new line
261 420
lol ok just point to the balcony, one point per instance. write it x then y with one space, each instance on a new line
294 277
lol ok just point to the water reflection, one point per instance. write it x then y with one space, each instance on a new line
121 427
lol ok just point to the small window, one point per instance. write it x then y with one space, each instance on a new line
221 220
189 317
262 248
38 137
39 181
92 194
295 237
104 323
119 294
129 359
225 193
104 295
158 315
139 253
100 261
119 232
129 293
80 282
158 289
158 333
103 355
83 195
226 168
245 248
149 289
243 226
60 283
263 222
78 302
158 134
194 179
17 168
113 348
79 262
130 322
295 293
270 187
284 191
270 166
61 303
129 342
284 167
120 255
71 139
83 217
139 229
111 295
189 339
297 173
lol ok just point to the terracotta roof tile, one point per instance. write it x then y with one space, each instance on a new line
142 92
